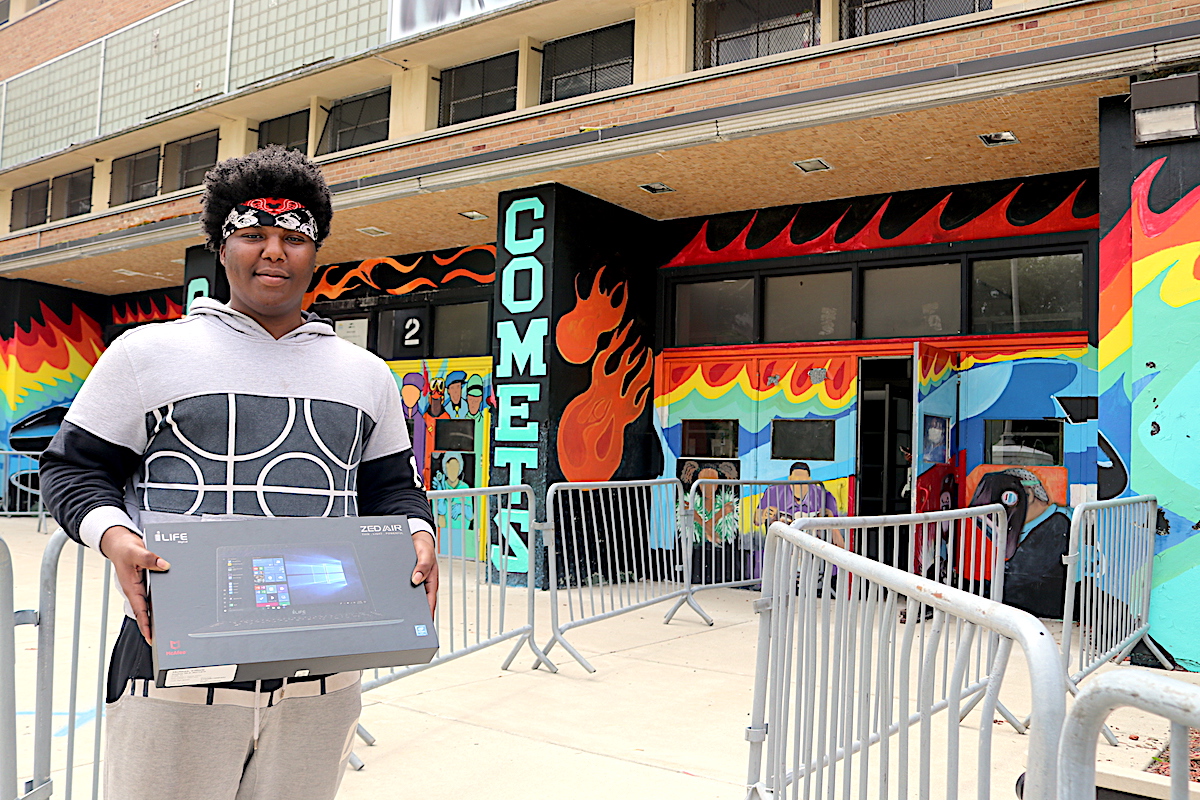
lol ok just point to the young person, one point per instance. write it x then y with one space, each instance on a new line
254 409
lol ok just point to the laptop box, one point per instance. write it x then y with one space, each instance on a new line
254 599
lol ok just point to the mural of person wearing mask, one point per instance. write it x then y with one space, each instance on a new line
1038 536
475 402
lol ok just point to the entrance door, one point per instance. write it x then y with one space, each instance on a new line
936 382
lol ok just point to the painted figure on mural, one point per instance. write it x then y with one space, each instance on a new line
437 397
410 397
786 503
715 519
453 513
454 405
1037 538
475 397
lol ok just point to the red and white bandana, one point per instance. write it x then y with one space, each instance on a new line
270 212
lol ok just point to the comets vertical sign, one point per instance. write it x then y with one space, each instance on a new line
524 255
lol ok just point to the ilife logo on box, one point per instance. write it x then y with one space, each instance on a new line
181 538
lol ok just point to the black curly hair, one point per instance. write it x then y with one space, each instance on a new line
273 171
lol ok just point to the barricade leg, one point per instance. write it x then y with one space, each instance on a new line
690 599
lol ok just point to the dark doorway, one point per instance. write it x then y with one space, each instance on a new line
885 415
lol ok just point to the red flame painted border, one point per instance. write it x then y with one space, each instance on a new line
991 224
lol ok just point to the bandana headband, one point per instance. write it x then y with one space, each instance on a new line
270 212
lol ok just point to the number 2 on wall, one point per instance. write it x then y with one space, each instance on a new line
412 332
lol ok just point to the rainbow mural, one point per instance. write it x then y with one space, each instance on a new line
1149 382
42 367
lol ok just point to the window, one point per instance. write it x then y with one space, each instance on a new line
802 439
861 17
717 312
29 205
912 301
586 63
134 177
1024 442
806 308
290 131
480 89
357 121
454 434
461 330
71 195
710 438
186 161
4 11
1031 293
737 30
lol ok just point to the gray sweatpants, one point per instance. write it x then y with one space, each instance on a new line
169 745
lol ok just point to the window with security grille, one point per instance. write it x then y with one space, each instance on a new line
479 89
134 177
290 131
737 30
29 205
588 62
71 195
185 161
356 121
862 17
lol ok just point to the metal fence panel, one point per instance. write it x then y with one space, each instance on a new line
20 495
1156 694
613 546
849 699
1109 561
477 607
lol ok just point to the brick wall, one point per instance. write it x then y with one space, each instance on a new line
1032 33
60 27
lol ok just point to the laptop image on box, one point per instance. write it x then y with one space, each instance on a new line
276 588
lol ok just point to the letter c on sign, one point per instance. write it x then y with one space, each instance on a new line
522 246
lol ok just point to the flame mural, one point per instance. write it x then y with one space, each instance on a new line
391 275
591 432
130 312
993 223
1150 379
578 331
44 364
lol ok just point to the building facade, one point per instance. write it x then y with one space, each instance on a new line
895 244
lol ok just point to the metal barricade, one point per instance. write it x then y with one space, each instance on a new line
724 529
477 607
1156 694
8 678
614 546
848 698
1110 561
75 764
20 493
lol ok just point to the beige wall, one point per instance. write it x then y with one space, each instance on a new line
414 101
662 40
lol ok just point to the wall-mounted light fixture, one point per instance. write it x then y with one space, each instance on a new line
1166 109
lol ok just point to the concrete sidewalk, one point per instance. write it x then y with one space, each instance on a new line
663 717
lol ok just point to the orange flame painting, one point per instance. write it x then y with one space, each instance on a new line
578 331
591 434
134 313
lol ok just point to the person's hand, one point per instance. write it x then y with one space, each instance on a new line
427 566
130 558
